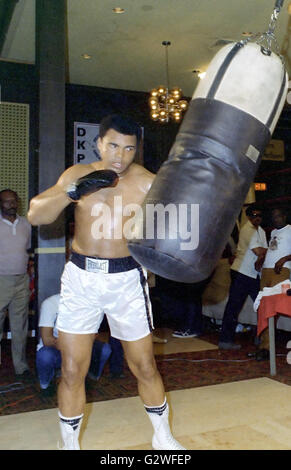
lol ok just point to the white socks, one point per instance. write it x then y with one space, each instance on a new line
162 439
70 430
159 416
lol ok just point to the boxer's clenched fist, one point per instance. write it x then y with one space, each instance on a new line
91 183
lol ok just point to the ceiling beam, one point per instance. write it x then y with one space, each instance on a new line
6 12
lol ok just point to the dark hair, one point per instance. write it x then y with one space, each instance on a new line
123 124
252 208
8 191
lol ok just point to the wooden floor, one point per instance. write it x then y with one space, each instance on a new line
247 415
173 345
179 345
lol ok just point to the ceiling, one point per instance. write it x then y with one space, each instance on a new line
126 49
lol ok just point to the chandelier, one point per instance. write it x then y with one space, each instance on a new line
167 104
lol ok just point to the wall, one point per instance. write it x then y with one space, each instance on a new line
19 85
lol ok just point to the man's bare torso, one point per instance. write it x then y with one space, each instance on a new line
100 218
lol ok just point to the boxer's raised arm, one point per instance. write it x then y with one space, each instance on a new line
47 206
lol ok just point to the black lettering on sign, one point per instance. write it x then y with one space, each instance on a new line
81 131
81 144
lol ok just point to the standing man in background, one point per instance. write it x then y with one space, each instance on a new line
245 274
15 240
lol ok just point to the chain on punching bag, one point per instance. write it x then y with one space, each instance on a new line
191 208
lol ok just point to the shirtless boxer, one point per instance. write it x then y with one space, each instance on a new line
102 277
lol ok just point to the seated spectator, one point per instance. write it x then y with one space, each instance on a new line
276 267
48 356
116 359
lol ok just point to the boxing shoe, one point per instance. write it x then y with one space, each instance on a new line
70 430
162 438
166 442
70 444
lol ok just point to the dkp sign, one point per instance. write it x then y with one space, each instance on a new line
85 139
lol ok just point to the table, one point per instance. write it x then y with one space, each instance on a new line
271 306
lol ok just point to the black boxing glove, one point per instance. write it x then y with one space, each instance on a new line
288 291
91 183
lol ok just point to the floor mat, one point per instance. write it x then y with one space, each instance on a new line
245 415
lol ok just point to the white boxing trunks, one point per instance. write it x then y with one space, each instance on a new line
117 287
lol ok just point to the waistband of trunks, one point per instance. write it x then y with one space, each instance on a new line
106 265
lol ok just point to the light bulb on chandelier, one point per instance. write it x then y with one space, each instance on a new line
167 104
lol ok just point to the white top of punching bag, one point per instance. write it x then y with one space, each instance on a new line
251 82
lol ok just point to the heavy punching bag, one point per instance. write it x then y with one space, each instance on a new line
191 208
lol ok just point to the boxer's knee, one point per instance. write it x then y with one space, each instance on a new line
144 368
73 373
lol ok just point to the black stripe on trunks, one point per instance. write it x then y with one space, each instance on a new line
143 282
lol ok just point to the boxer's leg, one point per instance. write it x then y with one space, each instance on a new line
76 355
140 358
